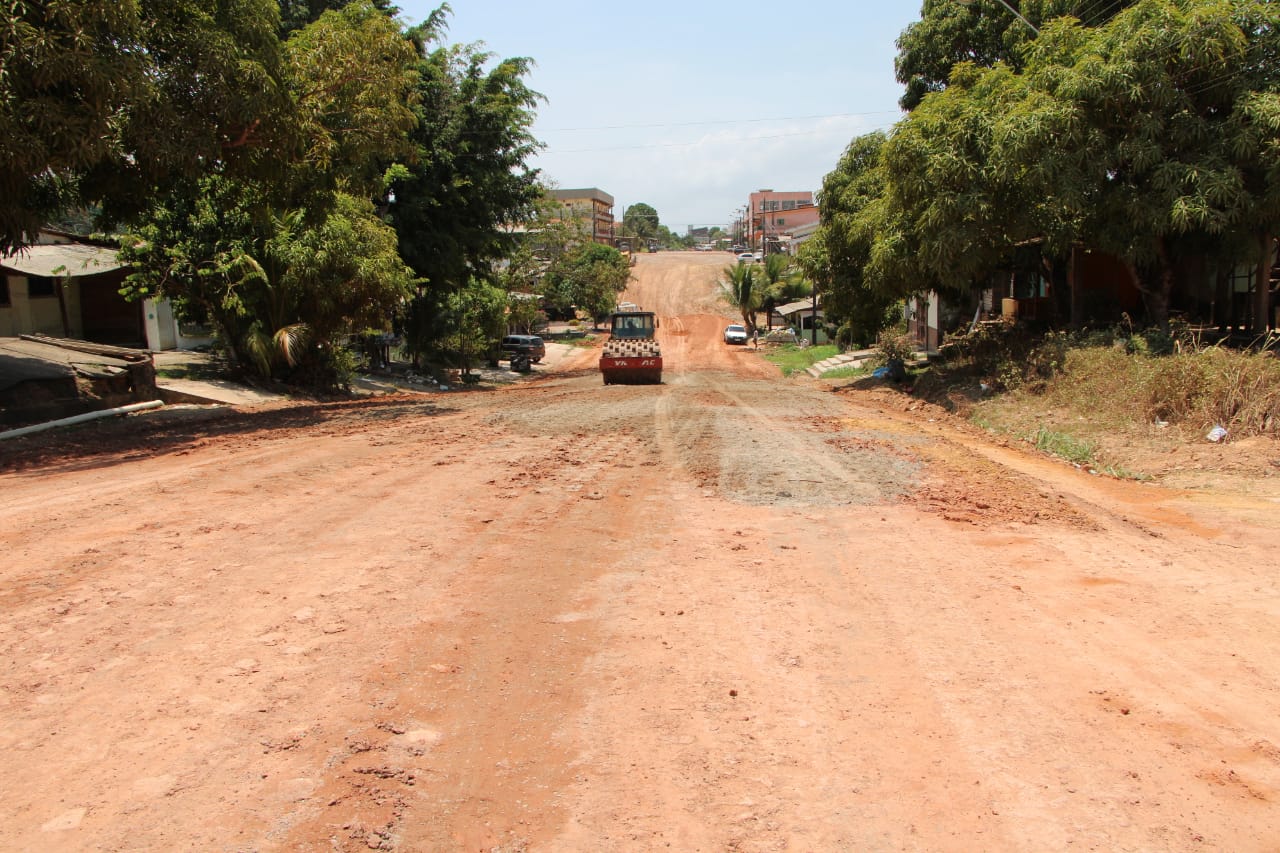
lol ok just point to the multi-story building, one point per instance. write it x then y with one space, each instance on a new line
773 217
591 208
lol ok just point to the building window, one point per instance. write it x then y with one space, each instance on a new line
788 205
4 290
41 285
780 221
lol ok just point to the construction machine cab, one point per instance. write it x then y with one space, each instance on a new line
638 325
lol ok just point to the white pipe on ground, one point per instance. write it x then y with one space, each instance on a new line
79 419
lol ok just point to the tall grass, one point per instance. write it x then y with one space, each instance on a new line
1193 388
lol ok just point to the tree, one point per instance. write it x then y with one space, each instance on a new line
468 176
588 277
296 14
779 282
281 288
641 220
296 254
982 33
353 81
1148 136
960 185
838 256
103 101
739 288
1177 104
338 276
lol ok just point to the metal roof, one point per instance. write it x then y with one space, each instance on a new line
61 260
796 307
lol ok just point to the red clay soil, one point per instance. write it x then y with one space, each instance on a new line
730 612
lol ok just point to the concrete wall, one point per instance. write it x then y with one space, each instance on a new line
26 315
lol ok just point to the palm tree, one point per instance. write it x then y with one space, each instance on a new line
740 288
782 282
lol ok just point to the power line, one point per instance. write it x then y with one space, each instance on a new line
717 122
689 144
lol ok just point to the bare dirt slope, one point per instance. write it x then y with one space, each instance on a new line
730 612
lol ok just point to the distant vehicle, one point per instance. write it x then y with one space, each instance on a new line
529 346
746 258
735 334
738 250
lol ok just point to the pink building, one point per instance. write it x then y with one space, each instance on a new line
775 216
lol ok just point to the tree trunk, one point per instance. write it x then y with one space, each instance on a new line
60 285
1077 292
1155 295
1222 300
1262 287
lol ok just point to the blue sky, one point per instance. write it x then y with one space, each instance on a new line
689 107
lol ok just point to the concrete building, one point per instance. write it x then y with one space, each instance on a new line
774 217
591 208
68 288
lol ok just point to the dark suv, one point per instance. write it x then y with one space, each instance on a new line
527 345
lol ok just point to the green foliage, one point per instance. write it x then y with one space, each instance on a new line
103 101
1161 98
296 14
1148 130
281 288
836 259
588 277
341 273
793 359
641 220
983 33
1065 446
353 84
742 290
467 175
894 345
523 315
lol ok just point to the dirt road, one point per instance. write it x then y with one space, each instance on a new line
731 612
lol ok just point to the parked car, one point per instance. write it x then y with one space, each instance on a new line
735 334
746 258
530 346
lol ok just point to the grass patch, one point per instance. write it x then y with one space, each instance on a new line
846 373
1066 446
791 358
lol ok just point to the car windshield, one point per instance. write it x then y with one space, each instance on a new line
737 329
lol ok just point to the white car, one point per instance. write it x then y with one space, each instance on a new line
746 258
735 334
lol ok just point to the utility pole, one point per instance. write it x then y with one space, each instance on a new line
813 317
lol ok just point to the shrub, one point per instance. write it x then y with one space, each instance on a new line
894 345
